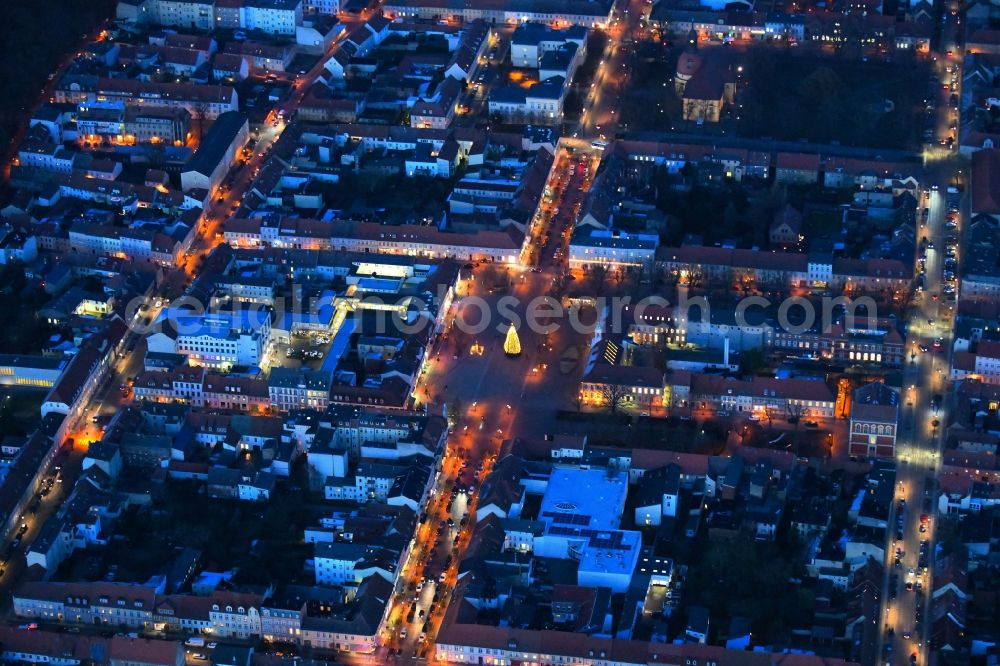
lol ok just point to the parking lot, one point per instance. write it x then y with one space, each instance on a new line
304 350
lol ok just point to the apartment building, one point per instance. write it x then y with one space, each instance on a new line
219 340
765 397
194 14
540 103
982 364
145 125
201 101
261 57
108 604
531 41
612 248
137 243
275 17
377 434
346 236
625 385
292 388
783 269
876 343
181 384
563 12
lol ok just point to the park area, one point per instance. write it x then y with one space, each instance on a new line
828 100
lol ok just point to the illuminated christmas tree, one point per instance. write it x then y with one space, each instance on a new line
512 344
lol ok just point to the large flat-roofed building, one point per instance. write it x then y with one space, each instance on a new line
612 248
217 152
30 370
581 511
217 340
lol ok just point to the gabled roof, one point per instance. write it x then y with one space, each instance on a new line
985 183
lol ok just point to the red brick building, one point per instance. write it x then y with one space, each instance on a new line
874 421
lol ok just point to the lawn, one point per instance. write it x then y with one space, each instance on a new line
19 409
649 101
868 104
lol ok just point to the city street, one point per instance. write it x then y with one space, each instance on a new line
918 452
600 118
58 482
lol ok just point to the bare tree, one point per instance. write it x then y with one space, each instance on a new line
614 395
769 415
640 274
795 411
598 275
454 411
155 154
199 113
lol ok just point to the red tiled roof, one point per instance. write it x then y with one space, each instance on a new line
178 91
983 36
974 459
47 643
143 651
688 63
964 361
986 181
189 467
798 161
133 594
198 42
228 62
625 375
639 653
692 464
959 480
989 349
